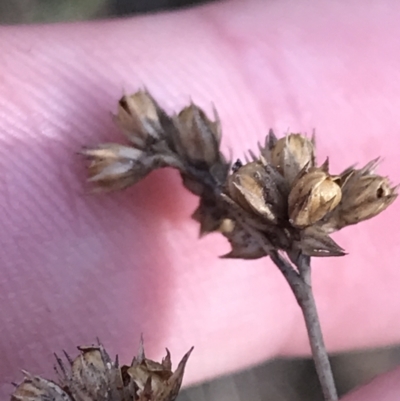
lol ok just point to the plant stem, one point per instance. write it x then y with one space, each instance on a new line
300 284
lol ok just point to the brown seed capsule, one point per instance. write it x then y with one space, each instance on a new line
34 388
197 138
291 153
141 119
365 195
156 381
114 167
259 189
93 376
314 194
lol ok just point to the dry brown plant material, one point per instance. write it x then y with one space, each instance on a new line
293 203
279 204
94 376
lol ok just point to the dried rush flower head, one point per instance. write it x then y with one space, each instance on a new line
292 203
279 202
93 376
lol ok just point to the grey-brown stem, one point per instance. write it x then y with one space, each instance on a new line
301 287
300 283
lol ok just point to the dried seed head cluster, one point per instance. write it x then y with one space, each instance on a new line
93 376
281 194
188 141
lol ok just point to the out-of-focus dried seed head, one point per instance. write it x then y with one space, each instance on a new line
365 195
291 154
260 189
156 381
314 194
93 376
34 388
114 167
140 118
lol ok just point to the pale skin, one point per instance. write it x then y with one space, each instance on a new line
74 267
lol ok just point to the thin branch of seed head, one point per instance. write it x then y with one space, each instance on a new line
300 283
302 290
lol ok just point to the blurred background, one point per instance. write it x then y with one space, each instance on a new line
32 11
277 380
